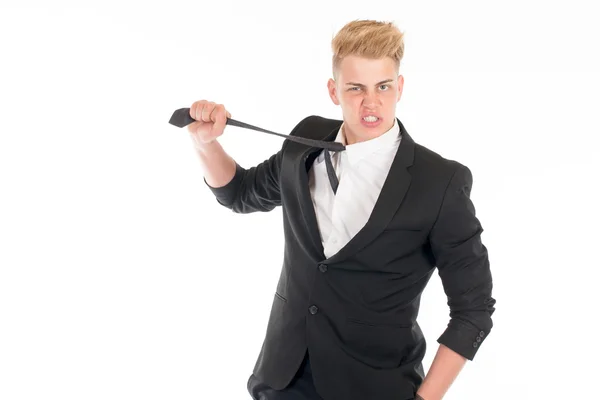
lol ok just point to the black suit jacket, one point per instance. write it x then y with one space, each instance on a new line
356 311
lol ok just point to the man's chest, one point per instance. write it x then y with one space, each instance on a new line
342 215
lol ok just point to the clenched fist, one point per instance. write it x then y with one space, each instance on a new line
210 121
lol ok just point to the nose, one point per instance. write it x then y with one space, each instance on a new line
371 99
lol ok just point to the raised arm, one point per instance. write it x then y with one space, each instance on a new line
239 189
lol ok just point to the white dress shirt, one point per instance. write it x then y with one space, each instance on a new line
361 170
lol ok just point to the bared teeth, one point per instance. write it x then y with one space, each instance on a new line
370 118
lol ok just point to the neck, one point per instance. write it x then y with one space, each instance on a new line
352 139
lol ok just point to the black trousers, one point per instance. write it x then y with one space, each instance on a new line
301 387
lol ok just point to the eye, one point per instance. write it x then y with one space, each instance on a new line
384 85
354 87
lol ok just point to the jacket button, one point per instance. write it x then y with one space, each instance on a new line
481 333
474 344
313 309
322 267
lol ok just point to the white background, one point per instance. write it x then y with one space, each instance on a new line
122 278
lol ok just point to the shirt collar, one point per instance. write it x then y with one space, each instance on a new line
356 151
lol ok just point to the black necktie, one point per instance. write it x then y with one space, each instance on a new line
181 118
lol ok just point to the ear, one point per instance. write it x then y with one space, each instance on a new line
333 91
400 87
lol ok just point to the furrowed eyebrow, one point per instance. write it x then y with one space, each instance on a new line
377 84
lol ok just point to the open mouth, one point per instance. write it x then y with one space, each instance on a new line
370 118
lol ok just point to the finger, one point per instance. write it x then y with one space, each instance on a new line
219 119
206 110
228 114
196 108
213 113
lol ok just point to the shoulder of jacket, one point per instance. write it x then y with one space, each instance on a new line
434 158
437 167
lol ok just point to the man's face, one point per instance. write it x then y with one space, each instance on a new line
366 87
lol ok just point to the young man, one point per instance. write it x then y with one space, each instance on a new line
343 321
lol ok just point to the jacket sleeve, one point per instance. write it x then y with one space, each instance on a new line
254 189
463 267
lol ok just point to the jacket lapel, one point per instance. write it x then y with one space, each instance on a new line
388 202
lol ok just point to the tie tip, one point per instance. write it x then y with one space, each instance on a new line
181 118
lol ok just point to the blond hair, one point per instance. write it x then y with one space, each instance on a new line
368 39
